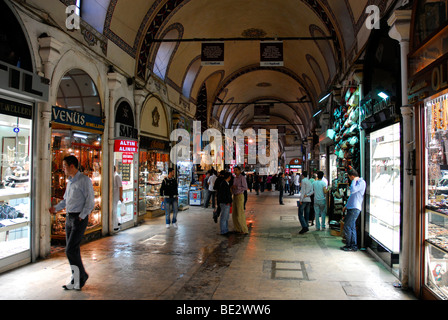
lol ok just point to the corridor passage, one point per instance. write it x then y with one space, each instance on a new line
194 262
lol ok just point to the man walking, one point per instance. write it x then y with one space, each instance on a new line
238 214
306 190
320 200
224 202
281 187
211 191
169 191
79 201
353 208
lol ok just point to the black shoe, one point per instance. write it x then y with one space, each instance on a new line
345 248
83 281
303 230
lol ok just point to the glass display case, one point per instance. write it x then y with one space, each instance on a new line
436 206
153 169
436 276
385 187
184 175
15 173
87 148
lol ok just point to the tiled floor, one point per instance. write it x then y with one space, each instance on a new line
193 262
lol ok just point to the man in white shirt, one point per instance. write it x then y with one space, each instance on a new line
118 196
320 200
306 191
211 191
79 201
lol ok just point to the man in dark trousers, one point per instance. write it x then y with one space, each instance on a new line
225 201
216 185
79 201
169 191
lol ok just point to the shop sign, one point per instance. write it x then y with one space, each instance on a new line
429 81
293 166
125 131
125 170
16 109
127 146
23 82
271 54
212 54
127 158
77 119
372 108
153 144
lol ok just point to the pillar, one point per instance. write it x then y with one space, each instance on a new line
113 83
400 22
49 51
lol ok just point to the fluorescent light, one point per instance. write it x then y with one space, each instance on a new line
324 98
383 95
317 113
78 135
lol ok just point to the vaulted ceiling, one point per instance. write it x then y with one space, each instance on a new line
310 66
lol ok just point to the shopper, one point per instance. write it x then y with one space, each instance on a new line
257 182
297 181
306 190
169 191
205 187
353 209
281 187
79 201
224 198
117 197
216 187
292 186
250 182
312 179
320 189
238 214
211 191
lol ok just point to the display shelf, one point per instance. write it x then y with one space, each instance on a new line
10 194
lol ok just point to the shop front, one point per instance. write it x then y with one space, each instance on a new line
126 164
154 157
383 176
428 95
381 121
184 169
432 159
346 154
77 128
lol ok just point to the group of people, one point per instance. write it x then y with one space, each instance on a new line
226 191
312 193
230 193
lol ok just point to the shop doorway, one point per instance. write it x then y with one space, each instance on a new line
77 128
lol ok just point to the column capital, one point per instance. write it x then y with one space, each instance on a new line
407 111
49 49
139 97
113 81
400 23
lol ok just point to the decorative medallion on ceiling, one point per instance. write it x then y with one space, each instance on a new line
254 33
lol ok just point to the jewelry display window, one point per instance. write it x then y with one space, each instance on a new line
87 148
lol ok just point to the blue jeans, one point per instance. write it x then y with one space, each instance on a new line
320 210
304 213
350 227
170 203
224 219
